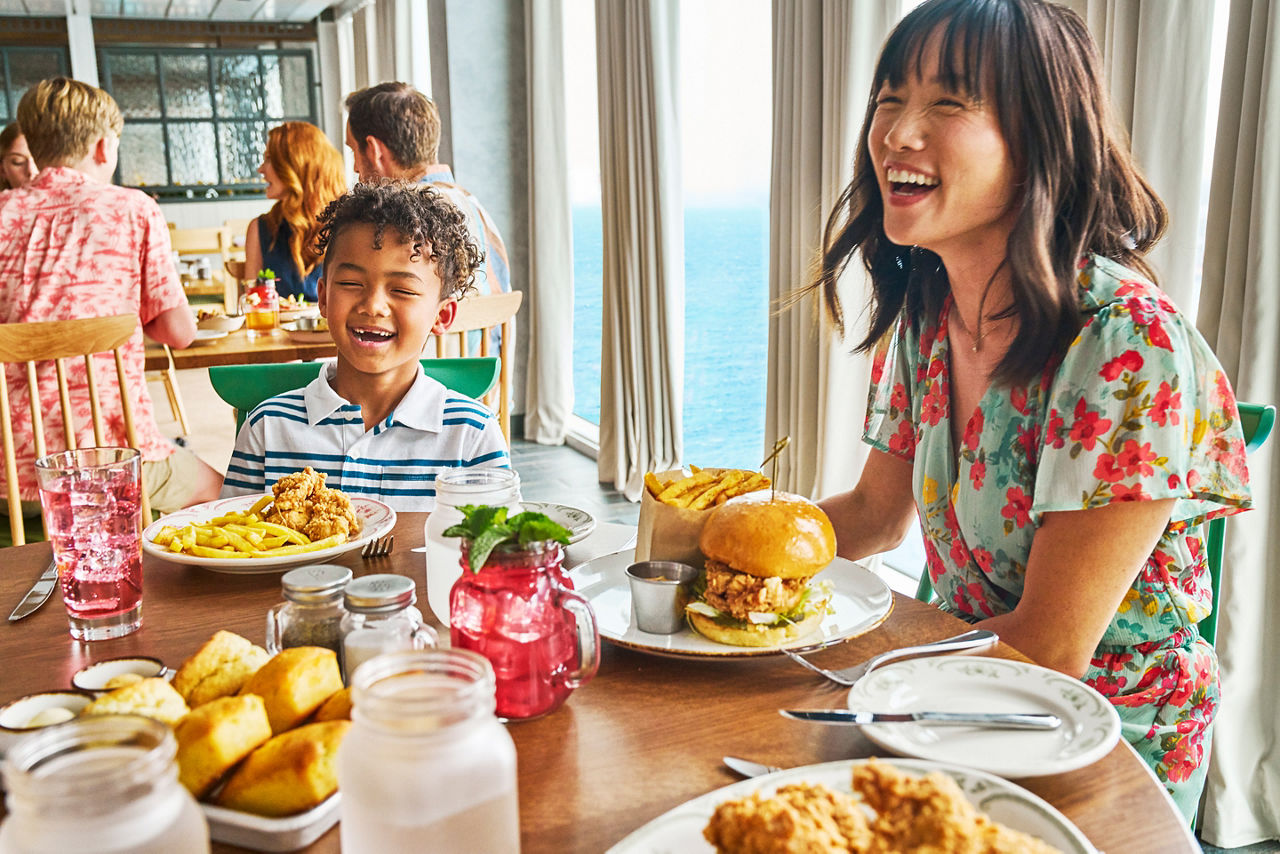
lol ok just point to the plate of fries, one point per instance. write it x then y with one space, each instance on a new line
229 535
704 488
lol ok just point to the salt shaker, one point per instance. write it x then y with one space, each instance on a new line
380 618
106 783
427 718
311 613
470 486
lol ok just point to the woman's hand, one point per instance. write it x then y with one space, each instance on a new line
1081 565
876 514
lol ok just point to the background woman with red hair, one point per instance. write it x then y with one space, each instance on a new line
304 173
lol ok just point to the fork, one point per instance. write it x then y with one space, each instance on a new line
379 547
849 675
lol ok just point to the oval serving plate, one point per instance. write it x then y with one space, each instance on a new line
376 518
1090 725
680 829
579 522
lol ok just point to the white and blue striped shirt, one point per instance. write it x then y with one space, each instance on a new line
431 430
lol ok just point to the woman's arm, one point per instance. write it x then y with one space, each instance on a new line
876 514
252 251
1081 565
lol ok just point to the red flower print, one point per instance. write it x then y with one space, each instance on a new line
1223 392
1108 685
898 397
904 440
1053 437
1174 480
1030 441
1089 426
1157 336
959 554
934 406
1018 507
973 431
1128 493
1193 477
1136 459
1129 360
936 367
984 559
1164 407
1183 760
1018 397
877 366
1128 286
1106 470
977 474
932 560
972 598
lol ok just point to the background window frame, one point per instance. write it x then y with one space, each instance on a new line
10 95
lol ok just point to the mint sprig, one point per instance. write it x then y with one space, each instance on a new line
488 527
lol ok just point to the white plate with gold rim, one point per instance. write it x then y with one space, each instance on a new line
680 830
1090 725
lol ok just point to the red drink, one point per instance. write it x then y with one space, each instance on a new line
93 517
540 637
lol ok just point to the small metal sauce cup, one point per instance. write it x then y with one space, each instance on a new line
659 592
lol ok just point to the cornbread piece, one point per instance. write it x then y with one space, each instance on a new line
152 698
122 679
217 735
292 772
801 817
336 708
294 683
218 669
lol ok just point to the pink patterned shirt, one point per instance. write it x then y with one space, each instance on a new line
71 247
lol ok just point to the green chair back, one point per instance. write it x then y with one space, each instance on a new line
1256 420
245 386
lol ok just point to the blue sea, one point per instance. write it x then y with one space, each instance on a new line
726 330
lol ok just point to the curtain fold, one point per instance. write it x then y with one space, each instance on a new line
823 59
642 342
1240 317
549 380
1156 56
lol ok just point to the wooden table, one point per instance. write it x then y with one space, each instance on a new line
239 348
645 735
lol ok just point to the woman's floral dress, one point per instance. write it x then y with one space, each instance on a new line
1138 409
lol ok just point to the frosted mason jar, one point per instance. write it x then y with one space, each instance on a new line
106 784
426 765
472 486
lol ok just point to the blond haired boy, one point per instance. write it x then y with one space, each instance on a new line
72 245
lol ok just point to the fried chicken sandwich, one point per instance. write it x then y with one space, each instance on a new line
763 550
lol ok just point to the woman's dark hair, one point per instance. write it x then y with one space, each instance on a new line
420 215
1080 190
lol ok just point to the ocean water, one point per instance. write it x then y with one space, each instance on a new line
726 330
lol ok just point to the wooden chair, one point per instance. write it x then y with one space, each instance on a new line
245 386
485 313
56 340
169 376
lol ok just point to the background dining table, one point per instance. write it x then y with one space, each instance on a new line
242 348
644 736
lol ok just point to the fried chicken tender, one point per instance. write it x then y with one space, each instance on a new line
801 818
303 503
924 815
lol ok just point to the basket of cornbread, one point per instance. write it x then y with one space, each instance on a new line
257 736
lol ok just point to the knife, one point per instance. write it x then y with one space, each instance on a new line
998 720
747 768
38 594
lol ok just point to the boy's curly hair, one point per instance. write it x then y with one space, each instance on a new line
421 215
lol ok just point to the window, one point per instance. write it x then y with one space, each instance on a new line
196 120
23 67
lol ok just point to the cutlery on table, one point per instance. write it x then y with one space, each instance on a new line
969 641
993 720
38 594
747 768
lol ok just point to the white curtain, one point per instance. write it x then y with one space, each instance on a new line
1156 57
549 381
824 56
642 345
1240 315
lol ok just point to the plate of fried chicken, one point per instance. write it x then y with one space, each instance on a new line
300 502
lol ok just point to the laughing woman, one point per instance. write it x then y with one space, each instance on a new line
304 173
1059 429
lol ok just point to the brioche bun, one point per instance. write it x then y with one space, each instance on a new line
746 634
769 534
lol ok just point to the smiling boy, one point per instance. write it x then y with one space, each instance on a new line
396 259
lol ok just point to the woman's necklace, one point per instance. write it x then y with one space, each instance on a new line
975 338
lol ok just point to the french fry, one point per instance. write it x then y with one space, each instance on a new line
314 545
235 535
678 493
652 483
728 481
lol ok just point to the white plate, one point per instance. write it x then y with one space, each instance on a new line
306 336
375 517
680 830
295 313
1090 725
861 602
579 522
260 833
208 336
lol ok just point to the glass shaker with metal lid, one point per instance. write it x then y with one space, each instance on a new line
380 618
311 613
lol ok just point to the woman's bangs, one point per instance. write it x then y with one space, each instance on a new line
973 36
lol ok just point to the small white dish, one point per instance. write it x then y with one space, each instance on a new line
208 336
34 712
221 323
1090 724
579 522
260 833
98 678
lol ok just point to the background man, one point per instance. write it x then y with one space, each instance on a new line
394 132
72 245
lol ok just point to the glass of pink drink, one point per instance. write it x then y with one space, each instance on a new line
93 515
